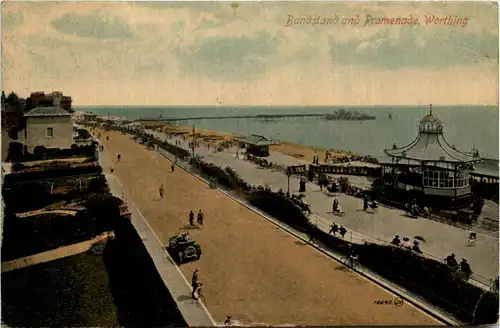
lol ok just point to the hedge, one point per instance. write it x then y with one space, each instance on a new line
52 173
429 278
36 194
41 153
45 232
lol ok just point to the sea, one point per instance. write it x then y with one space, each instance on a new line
464 127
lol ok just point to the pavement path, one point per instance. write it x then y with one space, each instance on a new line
252 269
194 313
441 239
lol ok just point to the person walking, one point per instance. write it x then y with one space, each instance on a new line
334 228
194 282
161 191
237 155
365 202
172 167
200 217
191 218
118 158
342 231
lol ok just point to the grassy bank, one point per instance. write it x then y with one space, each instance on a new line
72 291
120 288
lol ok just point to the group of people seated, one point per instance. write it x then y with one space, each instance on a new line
414 210
297 200
406 244
324 182
300 203
463 267
349 158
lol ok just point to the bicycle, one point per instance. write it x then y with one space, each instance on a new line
347 262
198 293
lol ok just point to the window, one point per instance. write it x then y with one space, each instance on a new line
50 132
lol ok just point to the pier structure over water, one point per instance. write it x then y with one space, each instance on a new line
261 117
336 116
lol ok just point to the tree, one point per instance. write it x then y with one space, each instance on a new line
3 97
12 99
28 103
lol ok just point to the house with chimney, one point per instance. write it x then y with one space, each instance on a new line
40 120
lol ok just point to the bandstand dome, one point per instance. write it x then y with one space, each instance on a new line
430 146
430 165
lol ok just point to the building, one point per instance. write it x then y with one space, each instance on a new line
90 117
50 127
429 169
255 145
54 99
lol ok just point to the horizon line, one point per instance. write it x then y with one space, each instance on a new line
290 106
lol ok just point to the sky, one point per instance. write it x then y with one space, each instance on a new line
201 53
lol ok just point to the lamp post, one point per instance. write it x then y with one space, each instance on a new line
288 174
193 141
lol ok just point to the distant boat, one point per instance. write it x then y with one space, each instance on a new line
390 116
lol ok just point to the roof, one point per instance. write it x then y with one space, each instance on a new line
47 111
255 140
431 147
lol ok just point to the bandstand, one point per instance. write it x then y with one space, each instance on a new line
430 169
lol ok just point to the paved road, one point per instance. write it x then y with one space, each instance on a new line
194 313
258 278
441 239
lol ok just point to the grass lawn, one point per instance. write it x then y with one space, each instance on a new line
73 291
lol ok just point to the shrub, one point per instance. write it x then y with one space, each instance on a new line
280 207
58 172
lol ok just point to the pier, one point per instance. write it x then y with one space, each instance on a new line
258 117
336 116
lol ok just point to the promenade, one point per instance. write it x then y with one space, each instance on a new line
441 239
252 270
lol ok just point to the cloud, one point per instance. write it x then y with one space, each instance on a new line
232 58
93 25
413 47
12 20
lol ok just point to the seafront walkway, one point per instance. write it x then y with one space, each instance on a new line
252 270
194 313
441 239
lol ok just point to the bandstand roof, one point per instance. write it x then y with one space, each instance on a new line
431 146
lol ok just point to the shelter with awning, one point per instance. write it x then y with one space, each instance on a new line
255 145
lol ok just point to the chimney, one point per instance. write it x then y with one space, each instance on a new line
56 98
